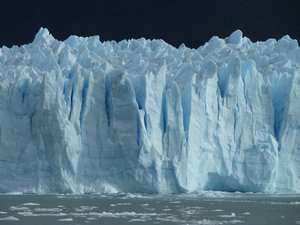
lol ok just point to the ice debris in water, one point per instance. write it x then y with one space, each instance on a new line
87 116
9 218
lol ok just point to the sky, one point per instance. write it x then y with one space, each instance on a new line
192 22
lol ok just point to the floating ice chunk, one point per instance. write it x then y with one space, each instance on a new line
85 208
235 221
65 220
175 202
112 214
218 210
31 214
124 203
9 218
26 213
30 204
228 216
137 220
167 210
294 203
47 209
18 208
209 222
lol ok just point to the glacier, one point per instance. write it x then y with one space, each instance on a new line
85 116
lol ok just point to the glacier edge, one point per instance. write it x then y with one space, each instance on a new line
82 116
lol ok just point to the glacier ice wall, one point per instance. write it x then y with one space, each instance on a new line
142 116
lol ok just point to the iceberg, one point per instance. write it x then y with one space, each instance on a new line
141 116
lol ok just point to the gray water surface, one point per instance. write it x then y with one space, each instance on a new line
148 209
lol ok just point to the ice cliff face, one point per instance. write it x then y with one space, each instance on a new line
142 116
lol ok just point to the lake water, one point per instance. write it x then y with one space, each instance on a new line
209 209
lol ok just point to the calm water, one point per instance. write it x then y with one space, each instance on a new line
137 209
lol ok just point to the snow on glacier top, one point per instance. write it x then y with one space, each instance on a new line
271 55
137 56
